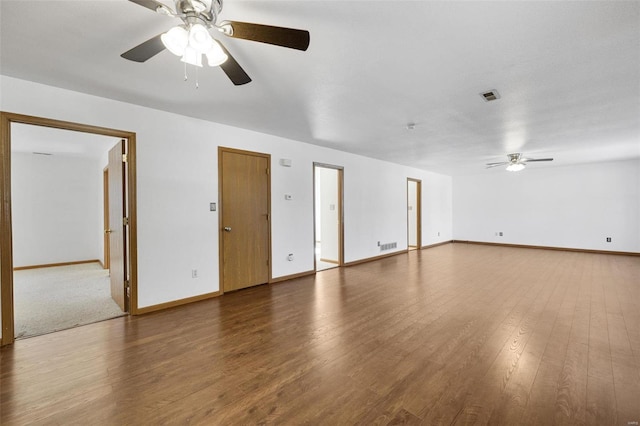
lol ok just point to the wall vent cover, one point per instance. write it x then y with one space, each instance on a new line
491 95
388 246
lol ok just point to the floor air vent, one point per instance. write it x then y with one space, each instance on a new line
388 246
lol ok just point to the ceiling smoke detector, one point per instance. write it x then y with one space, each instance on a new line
491 95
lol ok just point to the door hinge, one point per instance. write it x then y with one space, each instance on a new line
267 170
125 221
124 158
128 287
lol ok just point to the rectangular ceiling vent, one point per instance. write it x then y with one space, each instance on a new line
491 95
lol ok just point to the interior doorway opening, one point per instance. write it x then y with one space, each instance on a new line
52 249
414 213
328 216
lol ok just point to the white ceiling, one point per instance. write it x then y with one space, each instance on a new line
568 74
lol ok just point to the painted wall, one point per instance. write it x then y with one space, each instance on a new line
570 207
56 209
178 178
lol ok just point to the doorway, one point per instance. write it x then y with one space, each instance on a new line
10 124
414 213
328 216
245 218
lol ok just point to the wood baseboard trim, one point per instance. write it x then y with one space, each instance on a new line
329 261
436 244
373 259
53 265
291 277
174 303
577 250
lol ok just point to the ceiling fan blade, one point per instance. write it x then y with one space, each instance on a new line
233 70
149 4
530 160
146 50
279 36
491 165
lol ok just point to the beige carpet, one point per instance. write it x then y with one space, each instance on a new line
52 299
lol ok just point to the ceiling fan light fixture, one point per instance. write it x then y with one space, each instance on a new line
175 40
515 167
215 55
192 56
199 38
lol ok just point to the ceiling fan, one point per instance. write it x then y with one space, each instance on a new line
191 40
516 162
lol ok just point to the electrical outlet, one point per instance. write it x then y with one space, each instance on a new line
290 257
608 239
194 273
500 233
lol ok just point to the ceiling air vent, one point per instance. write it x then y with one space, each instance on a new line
491 95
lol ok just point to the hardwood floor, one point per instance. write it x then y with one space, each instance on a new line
456 334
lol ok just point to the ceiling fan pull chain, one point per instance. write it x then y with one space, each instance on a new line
185 72
197 85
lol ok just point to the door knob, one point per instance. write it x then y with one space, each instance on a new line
227 228
108 231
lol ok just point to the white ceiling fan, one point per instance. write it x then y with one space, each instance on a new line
516 162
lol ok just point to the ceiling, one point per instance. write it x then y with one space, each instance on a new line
568 74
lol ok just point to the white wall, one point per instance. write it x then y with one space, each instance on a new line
178 178
569 207
437 205
56 209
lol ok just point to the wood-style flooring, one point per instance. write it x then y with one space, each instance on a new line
456 334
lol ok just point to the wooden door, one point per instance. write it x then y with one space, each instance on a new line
117 230
244 218
105 208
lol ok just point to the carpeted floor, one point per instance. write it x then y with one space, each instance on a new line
52 299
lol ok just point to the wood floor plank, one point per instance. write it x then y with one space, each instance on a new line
448 335
540 407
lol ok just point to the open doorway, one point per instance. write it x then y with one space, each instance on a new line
328 213
53 246
414 209
59 279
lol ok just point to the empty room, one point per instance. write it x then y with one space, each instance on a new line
324 212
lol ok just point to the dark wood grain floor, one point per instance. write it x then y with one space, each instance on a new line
457 334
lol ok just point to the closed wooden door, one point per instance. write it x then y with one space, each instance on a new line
117 230
244 218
